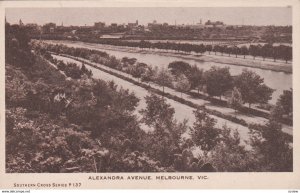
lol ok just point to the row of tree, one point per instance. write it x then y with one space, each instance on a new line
70 69
282 52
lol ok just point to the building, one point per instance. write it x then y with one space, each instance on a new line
114 25
217 24
132 25
196 26
155 25
99 25
21 23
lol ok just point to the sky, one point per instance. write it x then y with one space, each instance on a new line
280 16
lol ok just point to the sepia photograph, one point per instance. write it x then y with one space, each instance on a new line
148 92
148 89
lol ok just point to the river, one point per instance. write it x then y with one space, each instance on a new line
278 81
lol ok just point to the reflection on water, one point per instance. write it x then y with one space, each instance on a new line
276 80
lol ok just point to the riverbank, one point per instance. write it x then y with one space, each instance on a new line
206 57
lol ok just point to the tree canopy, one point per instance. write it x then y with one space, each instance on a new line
182 84
164 78
252 87
218 81
203 132
180 67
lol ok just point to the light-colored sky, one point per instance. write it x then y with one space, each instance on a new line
82 16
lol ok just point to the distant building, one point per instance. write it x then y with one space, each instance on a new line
132 25
21 23
197 26
99 25
154 24
113 28
209 24
114 25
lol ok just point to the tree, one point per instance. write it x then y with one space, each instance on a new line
222 49
138 70
84 70
286 101
73 71
157 112
113 62
164 141
288 54
182 84
180 67
266 51
236 50
203 132
275 52
164 78
196 78
218 81
208 48
284 106
229 155
199 48
254 50
228 50
285 52
128 61
95 58
271 147
252 87
235 101
216 49
61 65
244 51
17 50
148 75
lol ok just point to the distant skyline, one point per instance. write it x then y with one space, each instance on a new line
279 16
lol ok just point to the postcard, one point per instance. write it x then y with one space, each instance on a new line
150 94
